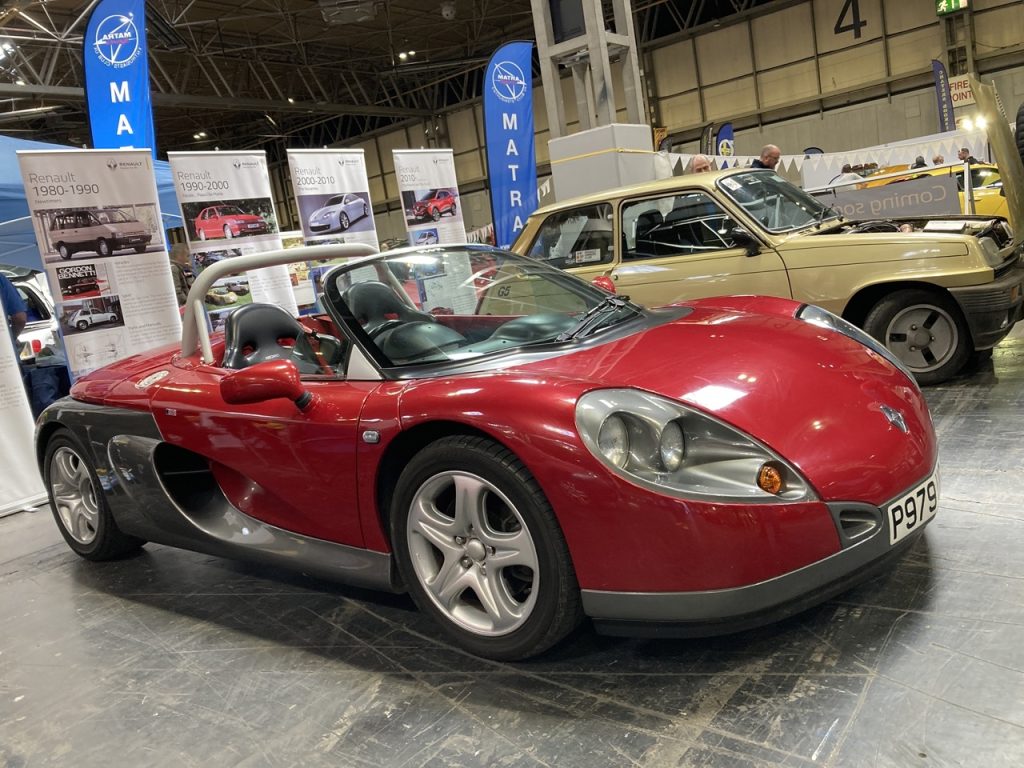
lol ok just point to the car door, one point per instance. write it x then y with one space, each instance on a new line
579 239
678 246
293 469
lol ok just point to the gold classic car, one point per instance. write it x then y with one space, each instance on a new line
934 290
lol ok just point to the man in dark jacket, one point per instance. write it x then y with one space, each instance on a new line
181 271
769 158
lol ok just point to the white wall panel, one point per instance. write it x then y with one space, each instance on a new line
468 167
369 148
727 100
724 54
900 17
830 14
999 28
913 51
674 69
461 131
388 142
682 110
852 67
786 85
783 37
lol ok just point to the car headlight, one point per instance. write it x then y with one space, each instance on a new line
670 448
825 319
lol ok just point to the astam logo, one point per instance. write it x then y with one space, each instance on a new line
117 41
508 82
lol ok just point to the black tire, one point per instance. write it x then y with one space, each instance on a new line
542 600
103 247
435 214
454 209
140 248
925 329
64 251
81 325
68 472
1018 131
343 221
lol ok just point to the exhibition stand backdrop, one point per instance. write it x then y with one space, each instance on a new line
17 238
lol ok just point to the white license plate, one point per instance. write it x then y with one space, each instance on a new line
914 509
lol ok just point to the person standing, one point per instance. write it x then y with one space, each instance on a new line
769 158
938 160
699 164
15 309
845 177
919 162
181 271
965 156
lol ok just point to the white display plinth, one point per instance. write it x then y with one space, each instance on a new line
602 158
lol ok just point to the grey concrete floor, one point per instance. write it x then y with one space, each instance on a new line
176 659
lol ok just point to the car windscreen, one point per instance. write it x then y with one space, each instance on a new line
112 216
774 203
455 303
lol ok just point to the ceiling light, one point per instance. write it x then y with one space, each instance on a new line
980 122
19 82
403 55
412 53
291 100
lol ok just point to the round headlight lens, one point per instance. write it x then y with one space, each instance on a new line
613 440
672 447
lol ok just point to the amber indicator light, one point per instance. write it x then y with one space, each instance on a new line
769 479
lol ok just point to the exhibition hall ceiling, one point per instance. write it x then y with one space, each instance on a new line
270 72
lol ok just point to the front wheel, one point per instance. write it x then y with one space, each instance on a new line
343 221
925 330
140 248
103 247
64 251
479 547
79 507
435 214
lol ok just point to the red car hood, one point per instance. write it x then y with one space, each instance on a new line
815 398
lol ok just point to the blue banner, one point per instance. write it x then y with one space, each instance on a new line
946 120
508 124
724 141
117 76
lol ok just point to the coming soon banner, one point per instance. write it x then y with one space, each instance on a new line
430 196
227 210
97 221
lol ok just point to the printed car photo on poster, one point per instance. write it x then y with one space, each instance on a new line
426 236
345 212
429 204
98 232
205 258
79 281
91 314
232 293
227 219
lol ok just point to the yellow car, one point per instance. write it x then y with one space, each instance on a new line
986 184
934 290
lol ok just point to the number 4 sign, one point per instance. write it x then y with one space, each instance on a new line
851 9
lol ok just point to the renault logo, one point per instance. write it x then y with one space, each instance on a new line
895 418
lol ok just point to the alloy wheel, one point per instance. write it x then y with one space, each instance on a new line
923 336
74 495
473 553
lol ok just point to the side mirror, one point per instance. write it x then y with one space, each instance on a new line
265 381
741 238
605 283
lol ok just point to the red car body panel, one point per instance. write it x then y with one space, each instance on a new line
238 223
442 205
308 472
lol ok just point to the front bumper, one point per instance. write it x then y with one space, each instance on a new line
722 611
992 309
130 241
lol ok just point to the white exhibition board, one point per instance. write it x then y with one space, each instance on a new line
227 210
332 194
20 484
98 225
430 196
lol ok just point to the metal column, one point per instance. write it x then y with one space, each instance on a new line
590 56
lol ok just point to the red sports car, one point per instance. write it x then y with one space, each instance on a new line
517 455
228 221
433 203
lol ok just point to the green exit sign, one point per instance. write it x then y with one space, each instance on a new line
942 7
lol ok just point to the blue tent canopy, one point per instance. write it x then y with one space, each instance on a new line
17 238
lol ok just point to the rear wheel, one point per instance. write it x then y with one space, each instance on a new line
481 551
227 232
82 325
78 504
454 209
923 329
202 234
